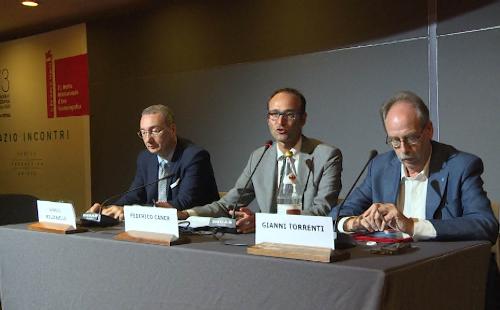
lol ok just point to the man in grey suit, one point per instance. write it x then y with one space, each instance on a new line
318 167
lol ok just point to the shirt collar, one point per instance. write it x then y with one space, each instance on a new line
296 147
166 159
421 176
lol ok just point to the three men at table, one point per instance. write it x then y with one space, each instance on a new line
424 188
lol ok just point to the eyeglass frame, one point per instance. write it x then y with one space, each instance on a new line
274 115
415 139
142 134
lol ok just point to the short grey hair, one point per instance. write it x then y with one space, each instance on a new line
162 109
412 99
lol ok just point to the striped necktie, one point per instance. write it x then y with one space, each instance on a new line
162 185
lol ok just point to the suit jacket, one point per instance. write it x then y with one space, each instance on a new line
191 172
320 167
456 203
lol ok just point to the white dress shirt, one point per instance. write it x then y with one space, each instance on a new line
294 159
411 201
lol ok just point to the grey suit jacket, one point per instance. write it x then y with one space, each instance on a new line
320 168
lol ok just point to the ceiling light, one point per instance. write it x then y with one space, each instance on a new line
29 3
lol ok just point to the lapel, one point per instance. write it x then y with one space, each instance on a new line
306 165
393 180
174 166
265 178
268 164
437 182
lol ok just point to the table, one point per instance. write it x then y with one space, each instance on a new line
92 271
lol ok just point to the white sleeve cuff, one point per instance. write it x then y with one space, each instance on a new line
340 225
423 230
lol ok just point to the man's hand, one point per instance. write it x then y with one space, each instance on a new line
245 220
379 217
96 208
395 219
371 220
182 215
113 211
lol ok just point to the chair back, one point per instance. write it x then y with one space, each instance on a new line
17 208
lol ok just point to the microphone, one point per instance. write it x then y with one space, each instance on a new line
267 145
101 220
228 225
373 153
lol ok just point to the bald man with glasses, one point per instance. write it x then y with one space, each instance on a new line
424 188
186 168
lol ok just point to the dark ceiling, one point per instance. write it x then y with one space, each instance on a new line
17 20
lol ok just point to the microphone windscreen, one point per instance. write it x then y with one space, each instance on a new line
373 153
268 144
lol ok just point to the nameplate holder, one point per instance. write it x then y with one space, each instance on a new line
150 225
300 237
56 217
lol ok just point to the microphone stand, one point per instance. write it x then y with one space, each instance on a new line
228 225
372 155
244 189
101 220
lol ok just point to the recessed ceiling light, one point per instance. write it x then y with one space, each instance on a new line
29 3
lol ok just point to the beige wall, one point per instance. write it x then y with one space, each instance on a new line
45 157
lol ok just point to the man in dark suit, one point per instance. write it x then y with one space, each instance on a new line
190 179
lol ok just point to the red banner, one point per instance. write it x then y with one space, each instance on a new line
72 86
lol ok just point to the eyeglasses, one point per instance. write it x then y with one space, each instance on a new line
153 133
275 115
408 140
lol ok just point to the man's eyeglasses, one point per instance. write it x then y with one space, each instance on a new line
153 133
408 140
275 115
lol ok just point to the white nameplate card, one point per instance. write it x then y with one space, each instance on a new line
196 222
155 220
315 231
56 213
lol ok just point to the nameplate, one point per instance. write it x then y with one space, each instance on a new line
312 231
154 220
56 213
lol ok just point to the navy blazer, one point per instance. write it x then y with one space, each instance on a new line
190 168
456 203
